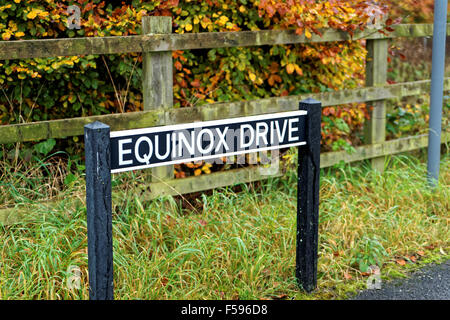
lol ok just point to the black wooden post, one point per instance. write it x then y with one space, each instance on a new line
98 203
308 198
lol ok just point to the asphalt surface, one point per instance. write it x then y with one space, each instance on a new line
430 283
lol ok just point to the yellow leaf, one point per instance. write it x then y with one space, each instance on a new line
308 34
32 14
197 172
252 76
188 27
19 34
290 68
6 35
43 14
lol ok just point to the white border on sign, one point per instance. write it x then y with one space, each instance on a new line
197 124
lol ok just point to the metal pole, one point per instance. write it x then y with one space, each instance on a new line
98 203
308 198
437 91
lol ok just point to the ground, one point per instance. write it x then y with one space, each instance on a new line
430 283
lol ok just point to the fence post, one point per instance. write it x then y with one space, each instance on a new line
308 198
376 74
98 204
157 77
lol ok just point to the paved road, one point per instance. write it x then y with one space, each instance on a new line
430 283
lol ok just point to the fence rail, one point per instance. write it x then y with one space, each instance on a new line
158 105
64 128
22 49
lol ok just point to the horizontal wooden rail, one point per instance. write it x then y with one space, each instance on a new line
22 49
246 175
121 121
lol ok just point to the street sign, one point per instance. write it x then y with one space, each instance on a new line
158 146
112 152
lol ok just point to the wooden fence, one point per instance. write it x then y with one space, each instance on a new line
156 45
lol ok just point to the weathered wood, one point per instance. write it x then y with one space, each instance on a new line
98 211
63 128
246 175
157 67
328 159
22 49
385 148
376 75
203 182
157 78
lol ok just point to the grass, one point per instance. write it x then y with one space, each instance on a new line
236 245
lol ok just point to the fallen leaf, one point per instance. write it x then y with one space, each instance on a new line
421 253
401 262
203 222
347 276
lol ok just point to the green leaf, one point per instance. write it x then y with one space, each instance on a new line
70 178
363 267
45 147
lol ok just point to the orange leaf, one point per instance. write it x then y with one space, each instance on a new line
195 83
401 262
178 65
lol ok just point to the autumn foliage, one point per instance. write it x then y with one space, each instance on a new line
62 87
413 11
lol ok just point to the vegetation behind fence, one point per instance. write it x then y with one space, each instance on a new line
156 45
